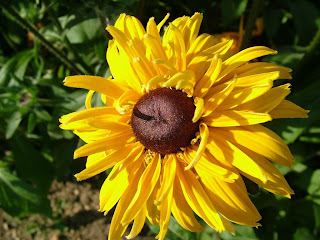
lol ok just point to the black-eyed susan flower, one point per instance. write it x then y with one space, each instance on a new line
180 127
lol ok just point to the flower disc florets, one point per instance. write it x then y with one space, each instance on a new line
162 120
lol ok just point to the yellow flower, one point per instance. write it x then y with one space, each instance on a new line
181 126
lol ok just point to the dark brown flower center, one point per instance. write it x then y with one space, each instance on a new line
162 120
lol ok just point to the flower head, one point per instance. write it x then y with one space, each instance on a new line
181 126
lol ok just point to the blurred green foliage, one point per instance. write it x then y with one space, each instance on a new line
34 151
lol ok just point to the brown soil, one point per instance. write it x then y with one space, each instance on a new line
75 214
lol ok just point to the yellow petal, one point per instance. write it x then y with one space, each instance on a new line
243 95
93 158
223 150
178 55
165 213
231 200
97 84
184 75
232 118
88 99
159 26
119 60
115 185
112 142
138 223
152 29
145 187
128 98
216 96
204 134
199 200
205 83
208 165
168 175
275 183
87 113
153 213
117 229
106 162
287 109
273 147
112 126
242 57
258 72
199 103
201 43
182 211
192 29
266 102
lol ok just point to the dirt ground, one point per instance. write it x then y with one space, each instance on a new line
75 214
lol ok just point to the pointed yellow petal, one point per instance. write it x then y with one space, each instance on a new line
273 147
168 175
105 163
153 213
117 229
203 86
97 84
184 75
127 99
208 165
115 185
138 223
112 142
199 103
159 26
182 211
88 99
216 96
243 95
144 189
198 199
268 101
244 56
165 213
192 29
87 113
204 134
223 150
178 55
232 118
275 183
232 201
287 109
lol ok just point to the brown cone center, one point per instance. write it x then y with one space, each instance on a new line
162 120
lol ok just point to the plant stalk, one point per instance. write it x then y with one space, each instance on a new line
25 24
255 10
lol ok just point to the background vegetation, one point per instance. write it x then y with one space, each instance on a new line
44 41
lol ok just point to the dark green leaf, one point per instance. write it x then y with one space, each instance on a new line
31 164
19 198
13 124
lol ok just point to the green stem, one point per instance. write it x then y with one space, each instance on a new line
312 53
255 10
57 24
25 24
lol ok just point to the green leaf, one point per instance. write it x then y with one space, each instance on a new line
178 232
85 31
303 234
314 186
16 65
13 124
18 198
232 10
31 165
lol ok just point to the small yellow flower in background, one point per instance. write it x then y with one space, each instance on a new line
181 126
